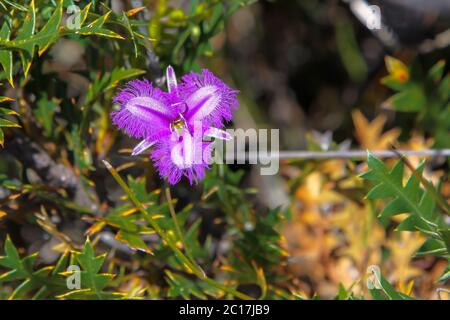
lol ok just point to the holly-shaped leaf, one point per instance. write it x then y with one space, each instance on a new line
43 39
419 204
93 283
44 282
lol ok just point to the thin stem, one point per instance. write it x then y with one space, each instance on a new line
178 228
189 266
228 290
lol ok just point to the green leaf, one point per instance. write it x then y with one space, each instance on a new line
420 205
130 228
96 28
192 241
182 38
193 6
446 275
412 99
121 74
6 59
44 114
437 71
3 99
443 89
130 31
84 13
45 280
345 294
93 283
349 51
27 30
15 5
133 240
181 286
390 184
12 259
432 247
445 236
44 38
383 290
7 123
6 112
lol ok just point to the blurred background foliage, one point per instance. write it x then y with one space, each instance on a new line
308 67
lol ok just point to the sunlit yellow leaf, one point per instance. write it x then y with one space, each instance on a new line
5 99
397 69
370 134
134 11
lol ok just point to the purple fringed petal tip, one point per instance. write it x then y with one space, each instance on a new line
182 156
208 98
145 112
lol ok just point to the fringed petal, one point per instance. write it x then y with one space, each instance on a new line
145 112
183 152
208 99
185 156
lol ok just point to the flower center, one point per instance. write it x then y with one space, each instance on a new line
178 126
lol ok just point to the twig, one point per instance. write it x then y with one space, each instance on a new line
324 155
348 154
56 175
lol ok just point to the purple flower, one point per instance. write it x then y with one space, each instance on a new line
176 122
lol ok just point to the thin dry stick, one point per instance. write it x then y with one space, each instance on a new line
320 155
347 154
